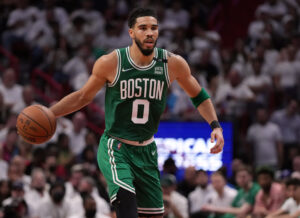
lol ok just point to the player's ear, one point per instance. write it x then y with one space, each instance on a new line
131 34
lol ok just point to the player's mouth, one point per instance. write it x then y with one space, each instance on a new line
149 42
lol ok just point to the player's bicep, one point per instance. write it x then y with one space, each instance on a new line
96 81
92 86
184 77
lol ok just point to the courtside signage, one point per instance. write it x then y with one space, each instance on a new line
188 143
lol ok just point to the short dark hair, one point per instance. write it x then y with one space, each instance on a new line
266 171
292 181
246 168
140 12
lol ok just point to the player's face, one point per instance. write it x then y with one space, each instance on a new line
145 34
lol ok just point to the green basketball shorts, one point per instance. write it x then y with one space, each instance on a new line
133 168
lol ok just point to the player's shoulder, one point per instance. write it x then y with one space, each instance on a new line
107 61
112 56
174 59
176 63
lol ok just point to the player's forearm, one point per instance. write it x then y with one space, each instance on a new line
207 111
69 104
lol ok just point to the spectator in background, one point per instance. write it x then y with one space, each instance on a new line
76 32
271 195
91 140
188 184
10 124
59 13
264 142
72 193
284 74
288 121
77 133
12 92
4 190
113 37
222 196
87 187
90 208
94 19
25 151
37 161
3 166
258 82
76 69
232 97
290 206
40 35
57 205
18 163
37 192
101 185
9 146
235 166
88 160
178 14
73 183
243 203
53 171
296 167
65 155
274 8
176 204
19 22
4 112
169 166
199 196
27 99
16 205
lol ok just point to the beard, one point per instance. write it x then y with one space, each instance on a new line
145 52
266 188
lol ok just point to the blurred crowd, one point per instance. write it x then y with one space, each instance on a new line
254 85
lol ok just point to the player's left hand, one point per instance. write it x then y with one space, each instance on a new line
217 134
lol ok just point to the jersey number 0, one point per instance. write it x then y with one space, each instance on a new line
135 107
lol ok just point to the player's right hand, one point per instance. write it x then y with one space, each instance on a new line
217 134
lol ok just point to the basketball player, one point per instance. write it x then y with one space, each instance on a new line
137 79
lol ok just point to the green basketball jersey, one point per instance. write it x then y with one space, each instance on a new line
136 98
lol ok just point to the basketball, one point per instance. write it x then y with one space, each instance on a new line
36 124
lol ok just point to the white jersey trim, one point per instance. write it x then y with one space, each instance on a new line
118 70
141 67
166 68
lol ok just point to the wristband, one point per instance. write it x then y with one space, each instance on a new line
202 96
215 124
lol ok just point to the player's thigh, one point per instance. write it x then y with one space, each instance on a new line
147 183
114 166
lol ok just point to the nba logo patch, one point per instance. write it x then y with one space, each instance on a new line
119 146
158 70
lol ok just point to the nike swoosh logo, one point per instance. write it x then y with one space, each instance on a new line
153 152
124 70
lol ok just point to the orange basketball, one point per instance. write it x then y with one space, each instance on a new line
36 124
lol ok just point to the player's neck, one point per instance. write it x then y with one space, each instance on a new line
138 57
